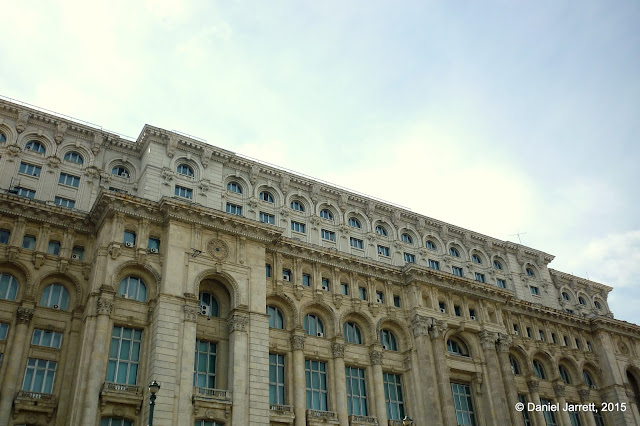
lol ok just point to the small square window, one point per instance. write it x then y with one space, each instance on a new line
541 333
457 271
529 332
554 337
344 289
29 242
298 227
356 243
182 192
457 311
383 251
409 258
480 277
306 280
362 293
434 264
325 284
69 180
54 248
534 290
267 270
64 202
472 314
379 297
286 275
442 306
4 330
4 236
328 235
267 218
396 300
77 253
234 209
501 283
154 245
566 340
129 238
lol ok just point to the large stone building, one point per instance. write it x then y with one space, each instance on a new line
257 296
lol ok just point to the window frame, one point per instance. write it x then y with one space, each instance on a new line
131 365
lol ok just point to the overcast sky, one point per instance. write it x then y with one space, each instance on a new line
502 116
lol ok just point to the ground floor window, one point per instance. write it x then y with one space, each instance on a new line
110 421
316 378
356 392
393 396
463 404
549 416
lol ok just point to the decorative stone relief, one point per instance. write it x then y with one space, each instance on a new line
205 185
254 173
376 357
13 150
53 162
559 389
584 394
167 175
338 350
206 156
237 322
191 313
487 340
533 385
297 342
437 328
285 180
172 145
105 306
504 342
23 118
61 129
218 249
420 325
24 315
96 145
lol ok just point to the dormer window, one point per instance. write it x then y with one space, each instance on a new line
597 305
430 245
266 196
530 273
454 252
120 171
406 238
565 296
326 214
74 157
234 187
354 223
381 230
185 170
297 206
36 147
476 259
582 301
497 265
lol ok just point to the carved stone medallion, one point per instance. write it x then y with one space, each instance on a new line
218 249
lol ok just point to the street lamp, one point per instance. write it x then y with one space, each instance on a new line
154 387
406 421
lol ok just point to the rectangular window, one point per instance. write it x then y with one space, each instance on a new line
54 248
4 330
525 412
410 258
30 169
554 337
64 202
328 235
457 310
267 270
70 180
434 264
39 376
379 297
456 271
396 300
575 418
362 293
549 416
24 192
29 242
393 396
306 280
50 339
529 332
356 243
4 236
541 333
204 368
181 191
316 384
325 284
267 218
480 277
286 275
597 416
534 290
77 253
463 404
298 227
356 392
153 245
383 251
234 209
344 289
501 283
276 379
578 345
124 356
129 238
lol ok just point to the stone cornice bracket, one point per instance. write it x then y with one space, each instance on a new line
420 325
105 306
504 342
96 145
584 394
23 118
297 342
191 313
338 350
375 357
487 339
254 172
206 156
533 385
237 322
24 315
559 390
172 144
61 129
437 329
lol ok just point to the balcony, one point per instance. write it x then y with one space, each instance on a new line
362 420
215 402
319 417
212 395
121 394
281 413
35 402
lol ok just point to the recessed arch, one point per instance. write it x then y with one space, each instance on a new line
226 280
20 273
363 321
87 155
130 168
195 166
10 134
461 250
398 329
365 224
148 274
287 307
48 144
324 311
331 209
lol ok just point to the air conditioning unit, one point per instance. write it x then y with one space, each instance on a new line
75 256
123 294
325 288
320 334
286 278
443 310
378 300
128 244
56 307
593 386
153 250
515 332
204 310
385 347
473 317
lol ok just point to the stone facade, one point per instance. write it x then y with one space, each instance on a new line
252 294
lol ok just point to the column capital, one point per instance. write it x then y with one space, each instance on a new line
376 357
504 342
237 322
533 385
437 328
105 306
487 339
559 389
297 342
420 325
338 350
24 315
584 394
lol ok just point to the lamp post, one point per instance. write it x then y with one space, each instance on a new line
407 421
154 387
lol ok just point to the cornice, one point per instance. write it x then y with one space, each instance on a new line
555 274
43 212
616 326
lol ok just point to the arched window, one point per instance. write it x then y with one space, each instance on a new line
457 348
133 288
326 214
234 187
588 379
597 304
276 319
530 273
112 421
313 325
515 367
381 230
55 296
208 304
352 333
565 296
476 259
3 137
266 196
538 369
454 252
497 265
186 170
35 146
74 157
355 223
582 301
564 374
388 340
406 238
206 423
8 287
120 171
297 205
430 245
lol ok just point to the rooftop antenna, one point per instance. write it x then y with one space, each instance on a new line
518 234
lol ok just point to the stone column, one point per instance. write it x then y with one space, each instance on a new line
559 389
340 384
238 363
442 372
508 382
187 358
499 411
537 416
633 407
425 381
378 383
20 343
299 380
98 361
584 399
